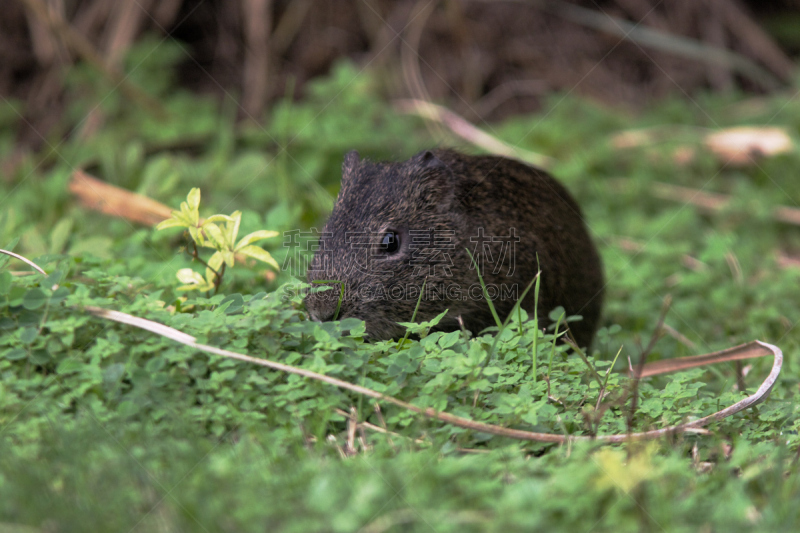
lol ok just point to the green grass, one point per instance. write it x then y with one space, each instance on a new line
105 427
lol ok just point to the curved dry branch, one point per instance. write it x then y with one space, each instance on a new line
469 132
24 260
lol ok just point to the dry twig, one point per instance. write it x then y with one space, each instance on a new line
469 132
111 200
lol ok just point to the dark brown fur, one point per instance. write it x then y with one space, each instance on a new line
445 191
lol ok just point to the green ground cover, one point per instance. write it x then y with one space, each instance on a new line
105 427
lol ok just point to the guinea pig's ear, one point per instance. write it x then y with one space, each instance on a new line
351 162
428 159
438 180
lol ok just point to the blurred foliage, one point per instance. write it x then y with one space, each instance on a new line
107 427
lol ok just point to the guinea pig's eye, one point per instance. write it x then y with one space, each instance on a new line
390 242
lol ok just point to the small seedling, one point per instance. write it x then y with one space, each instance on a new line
209 234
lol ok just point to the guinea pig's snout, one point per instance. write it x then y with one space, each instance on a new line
320 307
321 315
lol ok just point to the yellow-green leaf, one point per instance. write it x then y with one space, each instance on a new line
193 199
170 223
191 216
196 235
189 276
250 238
218 218
214 235
259 253
201 287
624 472
232 229
237 220
216 261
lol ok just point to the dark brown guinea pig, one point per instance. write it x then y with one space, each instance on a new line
397 225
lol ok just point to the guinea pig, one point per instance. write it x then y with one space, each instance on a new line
397 225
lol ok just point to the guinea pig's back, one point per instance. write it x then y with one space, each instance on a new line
498 194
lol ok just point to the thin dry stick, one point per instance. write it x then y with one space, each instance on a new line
469 132
601 394
377 429
502 93
352 425
46 46
335 444
760 44
678 336
126 17
100 196
410 58
657 334
570 340
90 16
720 77
24 260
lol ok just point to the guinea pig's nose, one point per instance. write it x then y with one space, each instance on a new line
319 308
322 315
